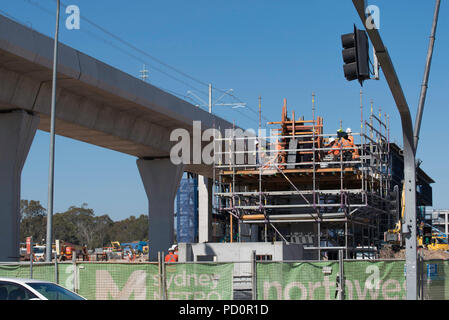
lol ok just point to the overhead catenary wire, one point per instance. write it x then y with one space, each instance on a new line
127 43
128 53
153 58
159 60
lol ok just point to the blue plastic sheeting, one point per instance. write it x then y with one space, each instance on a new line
187 210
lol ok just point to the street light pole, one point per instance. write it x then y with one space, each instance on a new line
422 96
409 224
51 171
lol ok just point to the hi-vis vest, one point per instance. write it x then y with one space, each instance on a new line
171 257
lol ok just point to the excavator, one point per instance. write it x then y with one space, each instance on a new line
393 236
116 246
430 237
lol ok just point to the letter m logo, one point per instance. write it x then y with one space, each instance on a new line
107 289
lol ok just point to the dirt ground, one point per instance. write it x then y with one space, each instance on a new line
389 253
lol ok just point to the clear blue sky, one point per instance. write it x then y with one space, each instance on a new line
275 49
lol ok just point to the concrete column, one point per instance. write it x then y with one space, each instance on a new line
204 209
161 180
17 130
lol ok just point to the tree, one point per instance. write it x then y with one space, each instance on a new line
76 225
103 225
33 220
130 229
80 226
31 208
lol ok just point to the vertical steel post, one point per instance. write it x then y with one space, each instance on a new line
56 269
409 226
254 275
75 274
31 257
164 283
159 264
341 275
52 142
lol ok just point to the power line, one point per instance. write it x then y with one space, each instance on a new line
139 50
156 59
117 47
133 47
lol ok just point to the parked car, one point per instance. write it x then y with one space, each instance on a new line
32 289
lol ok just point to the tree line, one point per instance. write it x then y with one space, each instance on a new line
80 226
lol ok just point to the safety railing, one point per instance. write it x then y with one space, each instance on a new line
243 280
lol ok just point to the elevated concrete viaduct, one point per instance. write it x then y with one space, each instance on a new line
97 104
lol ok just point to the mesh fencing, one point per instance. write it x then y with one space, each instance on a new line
118 281
38 271
435 280
296 280
374 280
193 281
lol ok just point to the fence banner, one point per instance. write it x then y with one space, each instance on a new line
117 281
435 281
40 271
108 281
296 281
375 280
363 280
199 281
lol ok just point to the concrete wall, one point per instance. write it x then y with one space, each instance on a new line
239 251
241 254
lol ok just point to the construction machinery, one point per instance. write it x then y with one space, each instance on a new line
66 251
393 236
432 238
429 237
39 252
135 249
116 246
131 250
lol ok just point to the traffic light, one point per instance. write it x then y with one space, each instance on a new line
427 235
355 55
395 203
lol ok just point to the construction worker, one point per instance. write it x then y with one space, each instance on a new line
334 144
176 252
85 253
348 144
349 135
341 134
256 151
171 257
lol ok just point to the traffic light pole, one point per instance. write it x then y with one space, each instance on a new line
409 224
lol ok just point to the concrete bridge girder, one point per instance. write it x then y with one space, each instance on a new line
75 111
96 103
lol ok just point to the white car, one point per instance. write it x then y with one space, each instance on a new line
32 289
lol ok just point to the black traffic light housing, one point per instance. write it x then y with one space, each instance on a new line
395 203
355 55
427 235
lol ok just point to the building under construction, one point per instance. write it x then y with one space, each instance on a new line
300 184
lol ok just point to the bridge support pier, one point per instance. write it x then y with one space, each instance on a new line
204 209
17 130
161 180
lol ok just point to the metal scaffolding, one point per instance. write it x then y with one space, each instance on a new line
297 187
